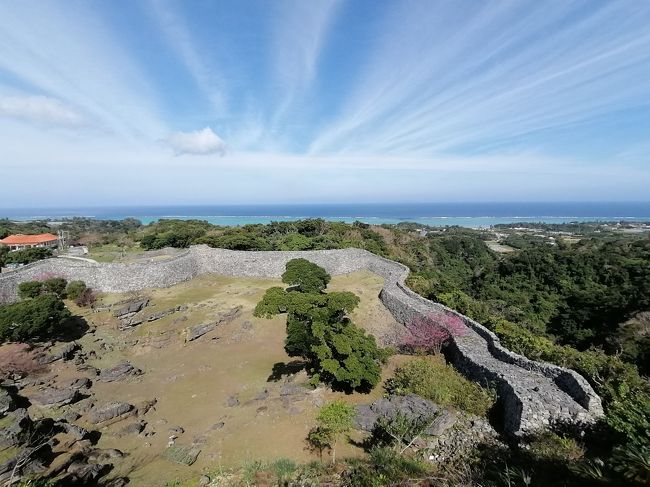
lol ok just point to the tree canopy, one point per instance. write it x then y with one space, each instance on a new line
32 319
319 329
306 276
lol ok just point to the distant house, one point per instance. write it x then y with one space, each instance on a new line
20 242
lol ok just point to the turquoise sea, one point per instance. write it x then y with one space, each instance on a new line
434 214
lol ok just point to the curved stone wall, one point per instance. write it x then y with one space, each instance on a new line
532 394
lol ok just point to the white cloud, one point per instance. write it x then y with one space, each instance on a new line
201 142
40 110
75 55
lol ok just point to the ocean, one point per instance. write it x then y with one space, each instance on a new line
474 215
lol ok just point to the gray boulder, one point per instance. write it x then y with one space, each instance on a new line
445 420
133 428
59 397
85 473
127 323
185 455
78 384
292 390
105 455
411 406
7 402
119 372
194 332
161 314
131 308
229 315
110 411
17 427
63 351
77 432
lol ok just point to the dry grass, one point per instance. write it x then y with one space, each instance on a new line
18 360
192 381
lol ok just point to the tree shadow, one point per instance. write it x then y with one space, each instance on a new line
281 369
71 329
346 389
366 444
94 436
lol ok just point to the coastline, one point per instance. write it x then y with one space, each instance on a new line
471 215
433 221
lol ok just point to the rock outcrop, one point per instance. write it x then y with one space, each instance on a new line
410 405
122 371
110 412
51 396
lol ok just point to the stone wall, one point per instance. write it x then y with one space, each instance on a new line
532 394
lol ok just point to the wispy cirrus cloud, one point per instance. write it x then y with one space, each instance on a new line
440 81
299 33
179 37
41 110
200 142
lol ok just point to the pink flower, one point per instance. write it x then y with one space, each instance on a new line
44 276
429 333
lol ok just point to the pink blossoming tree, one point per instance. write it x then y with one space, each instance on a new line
429 333
44 276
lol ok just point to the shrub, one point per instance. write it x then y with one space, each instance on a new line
235 241
294 241
633 463
51 285
173 233
74 289
86 298
4 250
400 431
550 446
385 467
345 355
32 319
56 286
30 289
334 420
284 469
433 379
320 439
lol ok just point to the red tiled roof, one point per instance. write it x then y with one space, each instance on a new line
28 239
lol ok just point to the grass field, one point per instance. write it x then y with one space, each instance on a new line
192 382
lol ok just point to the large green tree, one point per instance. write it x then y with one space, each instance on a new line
320 331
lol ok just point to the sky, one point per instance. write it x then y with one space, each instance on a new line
296 101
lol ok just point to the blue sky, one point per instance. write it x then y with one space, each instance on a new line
207 102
